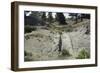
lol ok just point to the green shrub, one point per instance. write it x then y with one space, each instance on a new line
65 53
27 53
29 29
83 54
27 56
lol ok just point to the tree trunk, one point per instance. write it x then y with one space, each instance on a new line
60 44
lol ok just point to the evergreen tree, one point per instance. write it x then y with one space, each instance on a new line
44 16
74 15
50 17
81 17
86 16
60 18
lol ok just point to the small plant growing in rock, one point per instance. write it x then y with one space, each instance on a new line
83 54
65 53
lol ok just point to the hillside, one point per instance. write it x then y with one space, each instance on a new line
42 44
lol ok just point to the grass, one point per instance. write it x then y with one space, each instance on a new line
83 54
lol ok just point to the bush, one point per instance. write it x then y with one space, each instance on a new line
83 54
27 53
29 29
27 56
65 52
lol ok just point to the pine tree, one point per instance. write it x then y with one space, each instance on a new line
60 18
81 17
50 17
74 15
44 16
